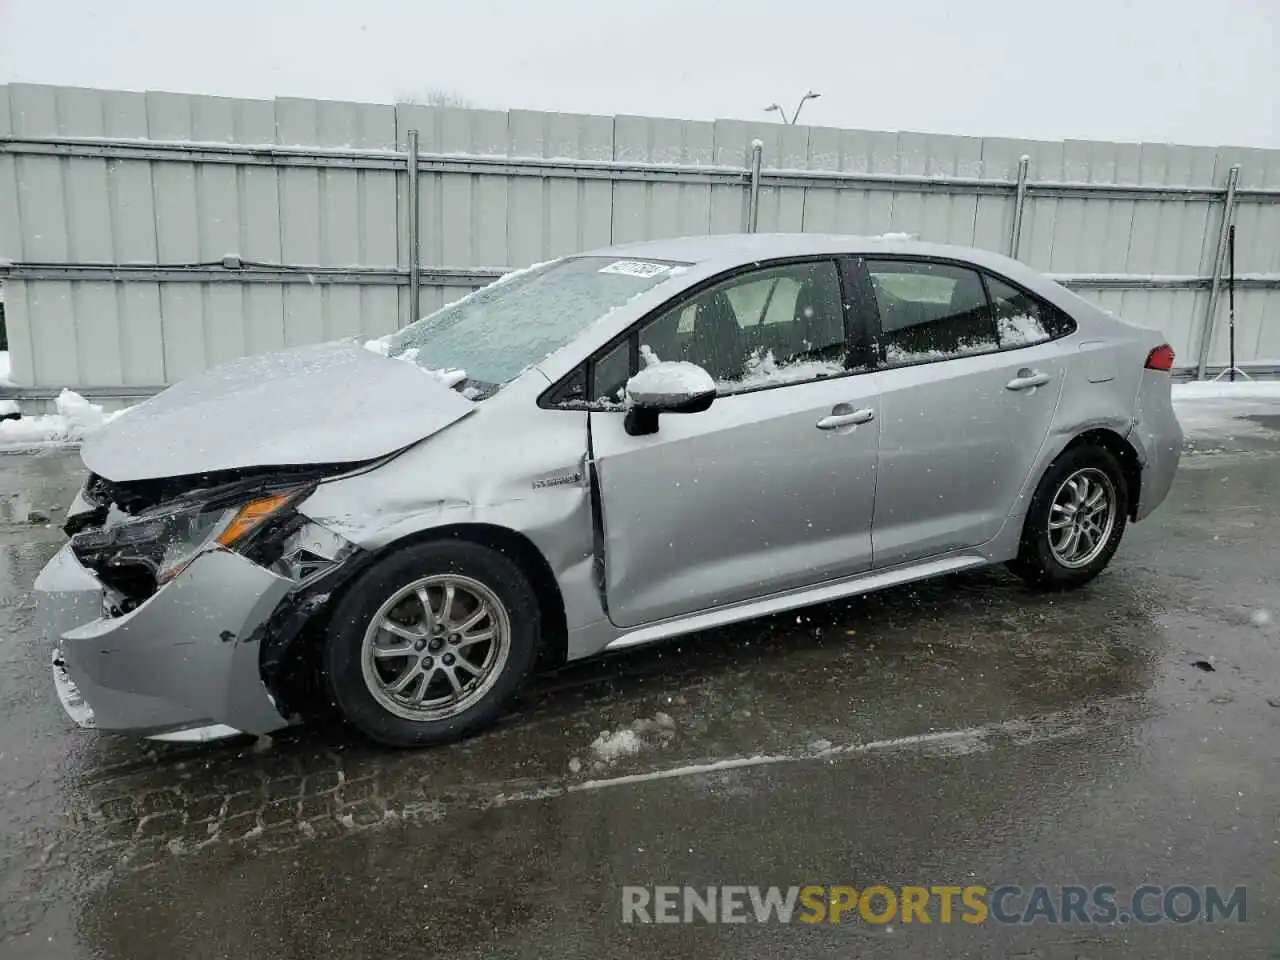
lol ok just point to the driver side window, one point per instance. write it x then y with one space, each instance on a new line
778 325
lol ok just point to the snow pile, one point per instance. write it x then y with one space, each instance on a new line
616 745
449 376
1019 329
1220 408
4 369
762 370
1226 390
75 419
612 746
896 353
669 378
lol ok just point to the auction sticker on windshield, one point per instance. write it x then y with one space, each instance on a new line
635 268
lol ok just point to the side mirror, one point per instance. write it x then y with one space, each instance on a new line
666 387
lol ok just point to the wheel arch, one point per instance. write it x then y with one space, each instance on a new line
292 676
1125 454
511 543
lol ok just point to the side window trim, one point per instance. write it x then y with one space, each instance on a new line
985 279
588 368
866 300
861 316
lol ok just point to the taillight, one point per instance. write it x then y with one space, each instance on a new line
1161 358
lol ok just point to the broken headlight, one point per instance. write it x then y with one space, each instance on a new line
159 544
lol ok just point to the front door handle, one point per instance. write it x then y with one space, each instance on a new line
842 416
1027 379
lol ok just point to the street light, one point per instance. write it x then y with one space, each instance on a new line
795 116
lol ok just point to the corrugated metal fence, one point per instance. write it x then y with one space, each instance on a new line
152 235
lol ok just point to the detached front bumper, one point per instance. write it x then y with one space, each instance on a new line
181 666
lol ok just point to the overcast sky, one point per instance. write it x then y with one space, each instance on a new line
1190 71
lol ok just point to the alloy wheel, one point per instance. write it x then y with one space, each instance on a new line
1082 517
435 647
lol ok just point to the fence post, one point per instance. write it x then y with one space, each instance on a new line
1219 261
753 199
1015 235
415 260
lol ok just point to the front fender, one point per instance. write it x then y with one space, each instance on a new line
530 479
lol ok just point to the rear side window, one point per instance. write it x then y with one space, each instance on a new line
1021 319
930 311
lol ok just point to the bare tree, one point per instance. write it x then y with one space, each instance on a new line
435 97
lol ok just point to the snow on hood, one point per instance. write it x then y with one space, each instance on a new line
330 403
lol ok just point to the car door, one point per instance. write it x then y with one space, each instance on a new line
966 403
771 488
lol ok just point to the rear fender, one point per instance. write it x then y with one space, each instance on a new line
1098 395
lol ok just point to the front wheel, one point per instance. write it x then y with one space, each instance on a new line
427 645
1076 519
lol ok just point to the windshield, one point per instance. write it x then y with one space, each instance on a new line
492 335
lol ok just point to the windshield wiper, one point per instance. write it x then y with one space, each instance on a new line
477 389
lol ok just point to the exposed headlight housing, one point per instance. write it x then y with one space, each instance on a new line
160 543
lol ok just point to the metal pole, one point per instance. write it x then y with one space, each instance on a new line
1015 235
753 200
1231 297
1215 283
415 260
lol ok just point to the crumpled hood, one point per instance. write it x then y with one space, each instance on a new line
333 402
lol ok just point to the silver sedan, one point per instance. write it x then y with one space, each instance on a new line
607 450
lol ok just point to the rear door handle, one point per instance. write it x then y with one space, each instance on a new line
835 420
1027 380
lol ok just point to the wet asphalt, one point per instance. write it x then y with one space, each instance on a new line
965 731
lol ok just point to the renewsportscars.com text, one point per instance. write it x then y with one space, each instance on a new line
878 904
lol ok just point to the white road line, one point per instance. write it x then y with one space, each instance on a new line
1020 731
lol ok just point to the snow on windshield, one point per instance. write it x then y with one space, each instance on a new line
500 330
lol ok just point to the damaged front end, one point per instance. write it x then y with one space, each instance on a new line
174 604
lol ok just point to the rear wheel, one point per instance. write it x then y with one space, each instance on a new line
1076 519
428 645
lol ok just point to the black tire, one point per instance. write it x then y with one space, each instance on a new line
342 659
1036 562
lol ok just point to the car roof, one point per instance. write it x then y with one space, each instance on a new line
732 249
